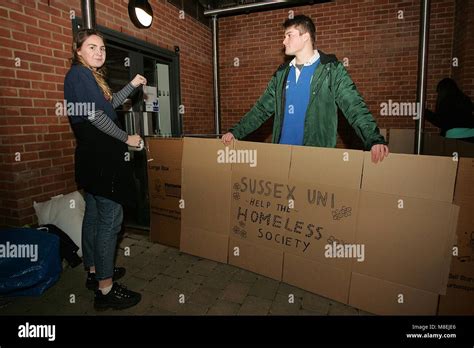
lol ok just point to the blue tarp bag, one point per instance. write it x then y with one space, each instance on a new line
30 261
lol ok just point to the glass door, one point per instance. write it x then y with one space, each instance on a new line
147 112
157 96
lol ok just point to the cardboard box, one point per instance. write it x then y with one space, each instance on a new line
465 230
459 299
401 140
164 187
434 144
327 184
206 188
383 297
323 279
400 221
409 224
408 245
259 196
464 188
285 209
261 212
465 149
255 258
464 198
418 176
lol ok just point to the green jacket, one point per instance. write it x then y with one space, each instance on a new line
331 88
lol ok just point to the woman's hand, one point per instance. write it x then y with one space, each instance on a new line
134 140
138 80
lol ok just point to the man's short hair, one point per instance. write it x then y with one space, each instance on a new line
304 24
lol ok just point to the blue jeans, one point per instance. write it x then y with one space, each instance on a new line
100 227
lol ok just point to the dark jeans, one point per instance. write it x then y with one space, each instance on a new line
100 227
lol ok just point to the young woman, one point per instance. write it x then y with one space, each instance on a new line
102 166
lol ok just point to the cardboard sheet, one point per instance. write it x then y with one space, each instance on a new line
290 210
206 193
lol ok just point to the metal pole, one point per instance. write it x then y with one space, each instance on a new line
216 75
88 13
244 8
422 68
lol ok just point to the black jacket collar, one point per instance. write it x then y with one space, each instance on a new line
327 58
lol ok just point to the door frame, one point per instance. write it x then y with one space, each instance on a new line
140 47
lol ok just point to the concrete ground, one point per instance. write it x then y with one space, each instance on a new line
175 283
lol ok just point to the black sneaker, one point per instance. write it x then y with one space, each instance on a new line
119 297
93 284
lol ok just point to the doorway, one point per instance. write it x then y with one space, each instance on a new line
150 110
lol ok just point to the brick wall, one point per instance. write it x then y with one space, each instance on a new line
464 46
382 53
37 147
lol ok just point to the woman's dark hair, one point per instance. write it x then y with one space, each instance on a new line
304 24
100 73
450 94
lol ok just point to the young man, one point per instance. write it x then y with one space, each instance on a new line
304 94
